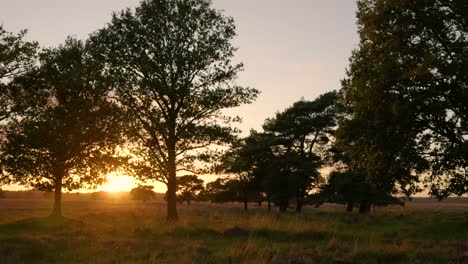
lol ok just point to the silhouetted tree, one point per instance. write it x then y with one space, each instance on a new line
16 57
406 88
171 63
69 139
142 193
188 188
223 190
304 135
239 164
345 187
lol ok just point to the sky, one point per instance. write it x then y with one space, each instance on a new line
290 49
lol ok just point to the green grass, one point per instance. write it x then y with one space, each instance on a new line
127 232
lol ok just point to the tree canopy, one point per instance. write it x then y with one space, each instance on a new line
69 139
189 186
406 89
16 57
171 63
142 193
282 163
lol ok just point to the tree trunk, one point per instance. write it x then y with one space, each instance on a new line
284 205
245 205
171 183
260 203
364 207
269 204
171 198
349 206
282 208
299 204
57 209
188 202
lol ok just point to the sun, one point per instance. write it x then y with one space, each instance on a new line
118 183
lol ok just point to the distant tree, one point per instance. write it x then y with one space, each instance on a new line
283 162
223 190
171 61
69 140
304 135
189 187
270 179
239 164
209 191
17 56
406 88
344 187
143 193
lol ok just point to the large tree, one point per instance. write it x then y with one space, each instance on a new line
407 89
68 141
171 61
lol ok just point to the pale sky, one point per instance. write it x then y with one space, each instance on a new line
290 49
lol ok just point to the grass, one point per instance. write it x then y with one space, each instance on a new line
131 232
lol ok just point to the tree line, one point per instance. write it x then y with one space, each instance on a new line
145 95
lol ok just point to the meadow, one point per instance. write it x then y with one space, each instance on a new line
123 231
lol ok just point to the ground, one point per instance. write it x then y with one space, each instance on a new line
134 232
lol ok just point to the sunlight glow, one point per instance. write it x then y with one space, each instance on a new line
118 183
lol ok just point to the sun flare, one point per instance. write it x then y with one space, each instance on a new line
118 183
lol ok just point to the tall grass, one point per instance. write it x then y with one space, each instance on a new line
130 232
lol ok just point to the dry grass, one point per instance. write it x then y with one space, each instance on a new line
131 232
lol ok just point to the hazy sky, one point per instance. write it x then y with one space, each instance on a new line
290 49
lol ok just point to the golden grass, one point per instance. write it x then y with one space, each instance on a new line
133 232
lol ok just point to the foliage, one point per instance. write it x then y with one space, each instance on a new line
70 137
350 188
222 190
16 57
171 65
189 186
283 162
239 165
142 193
304 135
406 88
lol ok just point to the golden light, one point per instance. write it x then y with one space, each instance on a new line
118 183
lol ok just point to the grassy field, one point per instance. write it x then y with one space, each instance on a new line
132 232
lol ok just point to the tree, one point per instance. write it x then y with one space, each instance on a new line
69 140
171 65
16 57
304 135
142 193
224 190
406 89
239 164
350 188
283 162
2 194
189 187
